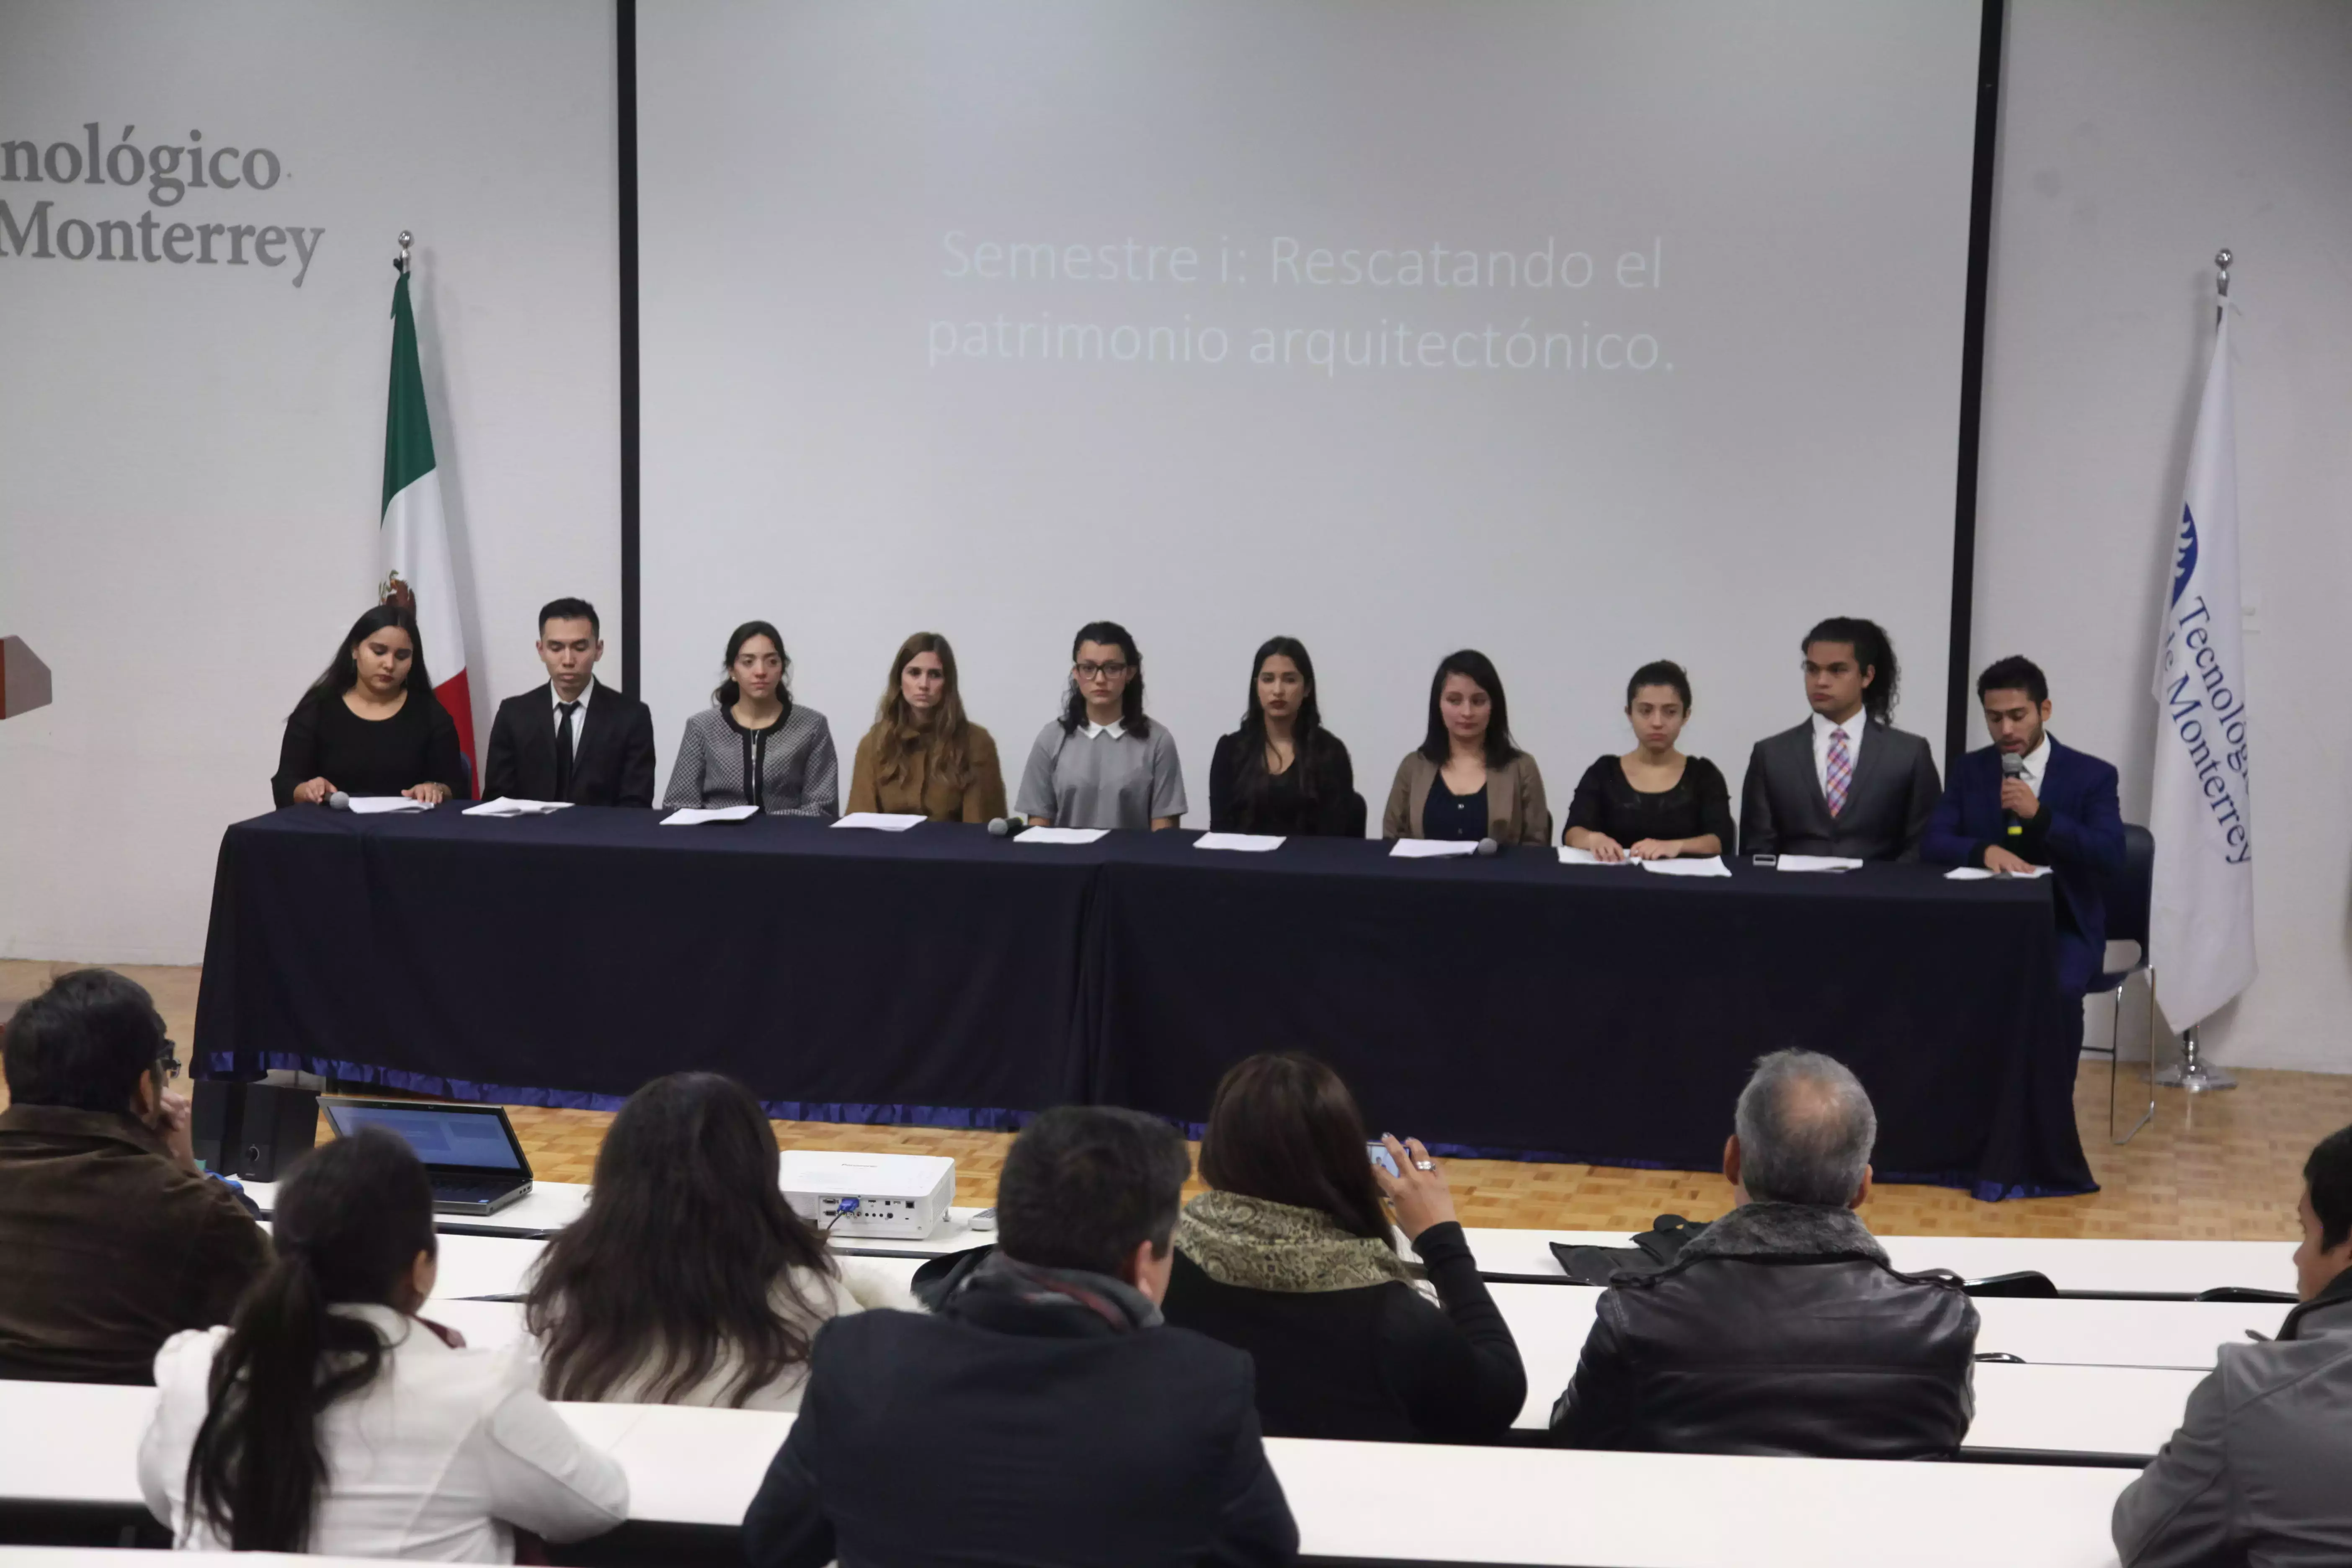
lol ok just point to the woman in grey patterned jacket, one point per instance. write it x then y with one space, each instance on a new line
753 746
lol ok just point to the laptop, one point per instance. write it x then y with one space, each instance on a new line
470 1151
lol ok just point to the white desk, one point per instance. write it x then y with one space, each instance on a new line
79 1444
2153 1268
491 1323
551 1206
1659 1510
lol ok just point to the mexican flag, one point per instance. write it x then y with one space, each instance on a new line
415 539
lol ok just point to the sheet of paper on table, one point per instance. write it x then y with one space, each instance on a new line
1819 863
384 805
1979 874
882 821
1061 835
1430 848
1689 866
688 816
1571 856
507 805
1248 843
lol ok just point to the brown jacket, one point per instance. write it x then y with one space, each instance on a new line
1516 812
108 1248
917 792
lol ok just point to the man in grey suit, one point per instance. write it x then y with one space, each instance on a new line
1844 782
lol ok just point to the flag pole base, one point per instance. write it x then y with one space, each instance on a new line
2197 1077
2193 1073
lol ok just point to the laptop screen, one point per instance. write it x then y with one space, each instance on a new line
445 1137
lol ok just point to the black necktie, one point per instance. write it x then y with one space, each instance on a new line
563 752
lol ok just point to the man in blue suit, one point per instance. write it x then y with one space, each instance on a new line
2066 818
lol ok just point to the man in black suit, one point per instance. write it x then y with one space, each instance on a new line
1845 782
1044 1415
573 739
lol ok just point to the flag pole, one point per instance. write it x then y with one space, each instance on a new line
2194 1074
400 262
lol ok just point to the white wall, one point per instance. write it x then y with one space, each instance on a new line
2137 139
191 456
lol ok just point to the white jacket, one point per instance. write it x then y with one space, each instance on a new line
857 1289
436 1459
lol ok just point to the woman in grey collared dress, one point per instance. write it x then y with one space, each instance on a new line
1102 763
753 745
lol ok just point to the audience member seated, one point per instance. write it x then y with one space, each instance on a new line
114 1240
1780 1329
690 1280
331 1418
2257 1472
1044 1416
1290 1257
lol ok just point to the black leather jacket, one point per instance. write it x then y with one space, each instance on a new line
1780 1329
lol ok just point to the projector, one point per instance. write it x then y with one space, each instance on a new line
904 1197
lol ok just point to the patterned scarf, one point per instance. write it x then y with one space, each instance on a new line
1262 1245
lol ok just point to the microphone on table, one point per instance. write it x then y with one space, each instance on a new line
2012 767
1485 847
340 801
1006 827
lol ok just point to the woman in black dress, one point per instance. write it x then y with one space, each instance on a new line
371 724
1282 772
1652 803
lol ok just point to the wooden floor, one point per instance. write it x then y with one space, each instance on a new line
2216 1166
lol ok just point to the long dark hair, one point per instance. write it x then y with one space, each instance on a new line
351 1220
1873 650
728 691
1437 745
685 1246
343 671
1130 711
1283 1128
897 734
1306 730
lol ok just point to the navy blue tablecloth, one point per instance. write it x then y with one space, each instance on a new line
1509 1006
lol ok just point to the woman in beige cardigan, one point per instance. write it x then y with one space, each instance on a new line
1468 780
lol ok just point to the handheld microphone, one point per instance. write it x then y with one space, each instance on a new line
2012 767
1487 847
340 801
1006 827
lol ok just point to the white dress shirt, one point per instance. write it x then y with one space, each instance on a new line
2037 765
1854 727
579 720
438 1459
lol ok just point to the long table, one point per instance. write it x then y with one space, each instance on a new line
78 1444
1507 1006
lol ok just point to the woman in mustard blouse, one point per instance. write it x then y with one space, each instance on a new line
923 756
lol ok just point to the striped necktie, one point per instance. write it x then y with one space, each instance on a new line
1840 772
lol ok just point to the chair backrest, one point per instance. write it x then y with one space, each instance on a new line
2127 893
1356 814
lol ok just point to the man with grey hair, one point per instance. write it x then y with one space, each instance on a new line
1780 1329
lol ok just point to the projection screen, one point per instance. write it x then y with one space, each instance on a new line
1583 333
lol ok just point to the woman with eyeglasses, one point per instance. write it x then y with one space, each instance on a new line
1468 780
1282 773
1103 764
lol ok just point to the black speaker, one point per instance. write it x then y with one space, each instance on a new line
253 1131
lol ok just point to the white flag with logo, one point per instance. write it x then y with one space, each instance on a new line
2201 935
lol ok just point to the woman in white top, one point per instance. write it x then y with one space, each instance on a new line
690 1280
330 1419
